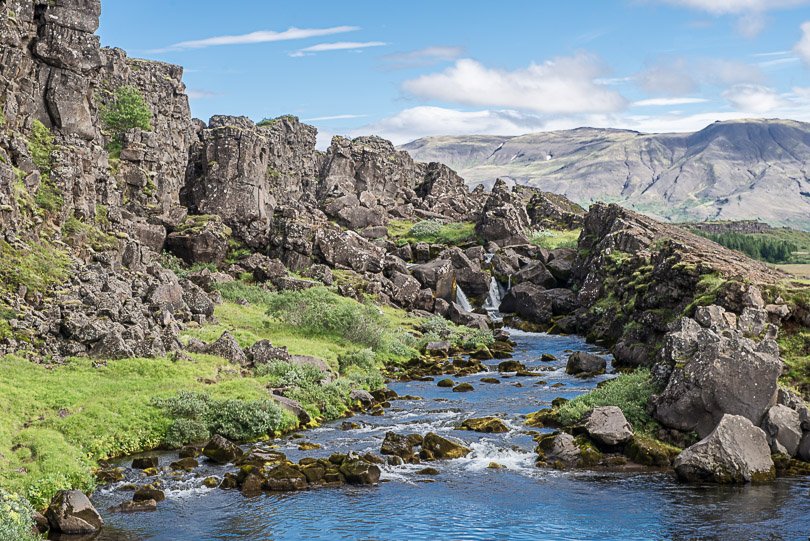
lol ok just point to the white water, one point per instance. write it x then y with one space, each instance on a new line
462 300
493 302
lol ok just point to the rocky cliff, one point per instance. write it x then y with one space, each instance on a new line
735 170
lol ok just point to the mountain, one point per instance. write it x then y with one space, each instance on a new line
741 169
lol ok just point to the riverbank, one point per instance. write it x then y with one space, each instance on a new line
58 421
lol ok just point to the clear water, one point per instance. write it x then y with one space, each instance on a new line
466 500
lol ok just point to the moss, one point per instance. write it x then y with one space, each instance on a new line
649 451
706 290
551 239
431 232
589 455
194 224
79 233
38 266
41 147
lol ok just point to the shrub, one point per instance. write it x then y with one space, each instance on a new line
40 145
363 359
438 328
127 110
305 384
196 416
630 392
97 239
16 518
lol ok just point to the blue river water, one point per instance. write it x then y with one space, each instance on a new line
467 500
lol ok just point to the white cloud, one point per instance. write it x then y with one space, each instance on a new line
657 102
677 76
560 85
337 46
332 117
261 36
754 98
802 48
750 14
199 94
423 57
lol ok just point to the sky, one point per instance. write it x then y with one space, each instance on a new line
404 70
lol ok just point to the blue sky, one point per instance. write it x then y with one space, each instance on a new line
404 70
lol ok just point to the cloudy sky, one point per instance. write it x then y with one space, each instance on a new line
405 70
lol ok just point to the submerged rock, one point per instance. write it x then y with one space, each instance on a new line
736 451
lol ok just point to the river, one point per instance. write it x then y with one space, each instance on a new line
467 500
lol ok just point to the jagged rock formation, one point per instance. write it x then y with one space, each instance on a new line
734 170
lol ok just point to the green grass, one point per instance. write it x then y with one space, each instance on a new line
77 233
431 232
551 239
38 267
62 420
630 392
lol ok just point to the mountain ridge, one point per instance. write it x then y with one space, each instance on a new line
729 170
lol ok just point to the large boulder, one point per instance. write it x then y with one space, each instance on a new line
437 275
227 347
200 239
527 301
360 472
537 274
582 363
504 219
459 316
607 426
714 373
221 450
349 250
783 427
71 512
398 445
736 451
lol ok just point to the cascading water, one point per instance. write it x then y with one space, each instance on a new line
493 302
462 300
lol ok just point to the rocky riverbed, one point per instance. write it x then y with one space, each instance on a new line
495 491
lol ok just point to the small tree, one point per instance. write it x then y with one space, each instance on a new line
127 110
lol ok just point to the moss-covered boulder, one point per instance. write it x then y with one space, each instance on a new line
489 425
221 450
436 447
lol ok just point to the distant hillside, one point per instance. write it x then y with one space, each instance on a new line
734 170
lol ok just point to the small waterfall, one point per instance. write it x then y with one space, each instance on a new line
493 302
462 300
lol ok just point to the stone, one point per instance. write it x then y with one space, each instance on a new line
582 363
145 462
70 512
537 274
446 382
186 464
440 448
437 275
736 451
559 449
284 478
715 374
511 366
504 219
488 425
783 427
360 472
141 506
463 388
228 348
398 445
146 493
263 352
607 425
221 450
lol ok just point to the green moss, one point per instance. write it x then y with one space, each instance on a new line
38 267
78 233
630 392
706 291
551 239
431 232
194 224
41 147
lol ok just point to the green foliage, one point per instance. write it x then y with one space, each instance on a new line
240 290
38 266
305 383
83 233
361 358
432 232
320 311
197 416
437 329
756 246
127 110
362 368
630 392
180 268
16 518
41 146
551 239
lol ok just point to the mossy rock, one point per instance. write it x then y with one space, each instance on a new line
650 452
546 417
589 455
488 425
463 388
447 382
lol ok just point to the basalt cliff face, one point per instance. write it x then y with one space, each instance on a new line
87 226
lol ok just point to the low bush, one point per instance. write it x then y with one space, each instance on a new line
305 383
197 416
437 329
551 239
16 518
630 392
432 232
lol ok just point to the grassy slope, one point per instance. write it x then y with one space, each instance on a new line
57 422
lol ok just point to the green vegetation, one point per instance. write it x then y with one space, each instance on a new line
437 328
630 392
80 233
55 427
180 268
706 291
126 111
197 416
37 266
41 147
777 245
16 520
432 232
325 401
551 239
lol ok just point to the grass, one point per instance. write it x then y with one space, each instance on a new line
551 239
38 266
630 392
431 232
79 233
55 427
